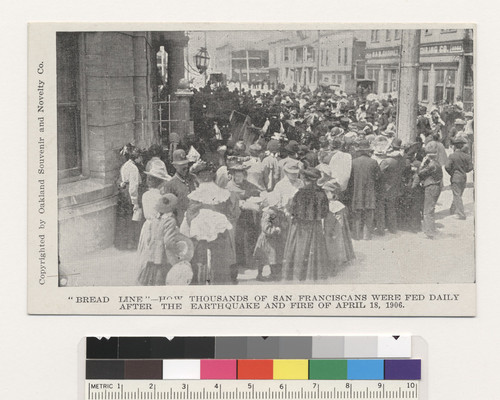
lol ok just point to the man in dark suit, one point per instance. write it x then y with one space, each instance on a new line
458 165
390 188
364 176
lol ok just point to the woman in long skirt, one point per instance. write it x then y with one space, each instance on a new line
337 231
306 256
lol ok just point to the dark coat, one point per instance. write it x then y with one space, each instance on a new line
458 165
392 176
365 174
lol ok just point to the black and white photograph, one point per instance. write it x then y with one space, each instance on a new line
259 158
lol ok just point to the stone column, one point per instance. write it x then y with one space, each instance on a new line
180 113
175 49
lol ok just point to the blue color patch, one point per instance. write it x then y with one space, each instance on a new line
365 369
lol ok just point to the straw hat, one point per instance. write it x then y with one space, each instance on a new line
158 170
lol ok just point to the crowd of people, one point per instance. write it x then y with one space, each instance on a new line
286 180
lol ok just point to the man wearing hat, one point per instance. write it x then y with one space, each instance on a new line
292 149
458 165
390 188
431 177
365 175
182 183
457 130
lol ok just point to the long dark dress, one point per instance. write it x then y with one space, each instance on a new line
338 237
305 250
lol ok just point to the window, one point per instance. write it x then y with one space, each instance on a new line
386 80
69 135
394 80
373 74
397 34
425 85
327 61
339 61
345 55
387 35
287 54
374 37
445 85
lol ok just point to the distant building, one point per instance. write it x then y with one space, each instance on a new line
446 64
247 62
294 60
342 55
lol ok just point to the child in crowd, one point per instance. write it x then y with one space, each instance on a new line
271 241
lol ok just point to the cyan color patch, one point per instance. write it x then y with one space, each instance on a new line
365 369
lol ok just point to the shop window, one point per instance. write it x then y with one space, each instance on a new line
69 132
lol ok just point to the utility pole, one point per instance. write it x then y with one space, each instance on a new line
408 86
318 61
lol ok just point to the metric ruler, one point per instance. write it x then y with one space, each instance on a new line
250 390
254 368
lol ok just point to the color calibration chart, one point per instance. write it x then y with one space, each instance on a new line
213 368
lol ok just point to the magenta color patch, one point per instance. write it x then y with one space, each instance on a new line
218 369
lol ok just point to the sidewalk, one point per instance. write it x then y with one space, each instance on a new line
403 257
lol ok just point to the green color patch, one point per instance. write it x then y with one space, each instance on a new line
328 369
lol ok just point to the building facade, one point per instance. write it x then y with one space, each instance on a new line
445 64
342 56
247 62
107 84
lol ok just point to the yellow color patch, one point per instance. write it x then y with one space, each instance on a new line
291 369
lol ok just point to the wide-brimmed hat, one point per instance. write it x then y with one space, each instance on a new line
201 166
364 145
236 165
292 168
255 147
459 121
312 174
292 146
469 114
166 203
158 170
179 157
